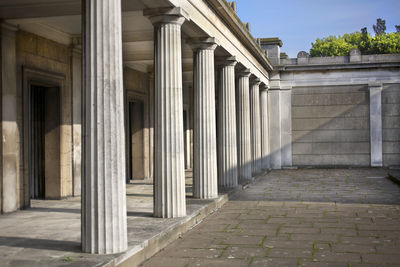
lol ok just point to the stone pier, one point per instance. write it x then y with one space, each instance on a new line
169 165
255 126
243 125
104 229
205 174
227 141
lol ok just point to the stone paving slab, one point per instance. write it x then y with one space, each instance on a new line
48 233
264 227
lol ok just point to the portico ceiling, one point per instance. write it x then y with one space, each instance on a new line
60 20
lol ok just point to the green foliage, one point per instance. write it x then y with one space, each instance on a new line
388 43
330 46
382 43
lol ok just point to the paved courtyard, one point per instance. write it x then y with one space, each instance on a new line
298 218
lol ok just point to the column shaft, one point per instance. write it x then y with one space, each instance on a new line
227 142
9 147
255 126
205 174
264 129
375 102
104 227
169 164
275 128
243 125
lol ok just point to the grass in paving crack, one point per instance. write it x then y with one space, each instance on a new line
298 263
251 260
279 229
269 218
263 241
357 230
224 250
268 251
314 251
290 236
67 259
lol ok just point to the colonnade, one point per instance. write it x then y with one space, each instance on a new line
242 127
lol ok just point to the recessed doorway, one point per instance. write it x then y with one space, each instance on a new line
44 142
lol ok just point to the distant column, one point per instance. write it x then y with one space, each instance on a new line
243 126
10 149
205 173
104 229
169 162
265 164
375 113
227 138
255 125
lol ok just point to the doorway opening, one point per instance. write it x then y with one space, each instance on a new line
136 140
44 142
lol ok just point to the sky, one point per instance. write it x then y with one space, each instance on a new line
298 23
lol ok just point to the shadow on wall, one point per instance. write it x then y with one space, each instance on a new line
331 126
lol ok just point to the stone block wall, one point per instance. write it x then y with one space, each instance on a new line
47 59
391 124
330 126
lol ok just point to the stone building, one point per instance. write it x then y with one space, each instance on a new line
96 93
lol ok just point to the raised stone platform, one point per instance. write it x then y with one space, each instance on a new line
48 234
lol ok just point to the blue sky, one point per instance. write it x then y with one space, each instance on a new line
299 22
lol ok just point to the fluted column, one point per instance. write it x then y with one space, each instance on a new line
264 127
255 125
169 165
104 228
227 142
243 126
205 174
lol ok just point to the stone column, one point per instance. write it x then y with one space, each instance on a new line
151 126
169 164
9 183
104 229
205 174
227 142
255 125
243 126
265 164
76 76
274 106
286 126
375 113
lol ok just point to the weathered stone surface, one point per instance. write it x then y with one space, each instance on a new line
169 165
227 137
243 126
104 229
205 172
264 225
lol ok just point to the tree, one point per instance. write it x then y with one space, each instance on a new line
380 27
382 43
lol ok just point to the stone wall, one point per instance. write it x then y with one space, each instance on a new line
137 88
331 125
391 124
332 100
43 61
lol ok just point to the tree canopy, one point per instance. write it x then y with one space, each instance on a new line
382 43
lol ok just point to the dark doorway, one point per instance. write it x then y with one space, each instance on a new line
44 142
136 140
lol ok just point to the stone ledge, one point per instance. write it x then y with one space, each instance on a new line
394 176
140 253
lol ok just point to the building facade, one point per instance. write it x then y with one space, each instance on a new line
96 93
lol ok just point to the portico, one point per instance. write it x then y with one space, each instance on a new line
124 82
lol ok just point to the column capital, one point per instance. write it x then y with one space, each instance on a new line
244 73
203 43
7 29
264 86
163 15
226 61
255 81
